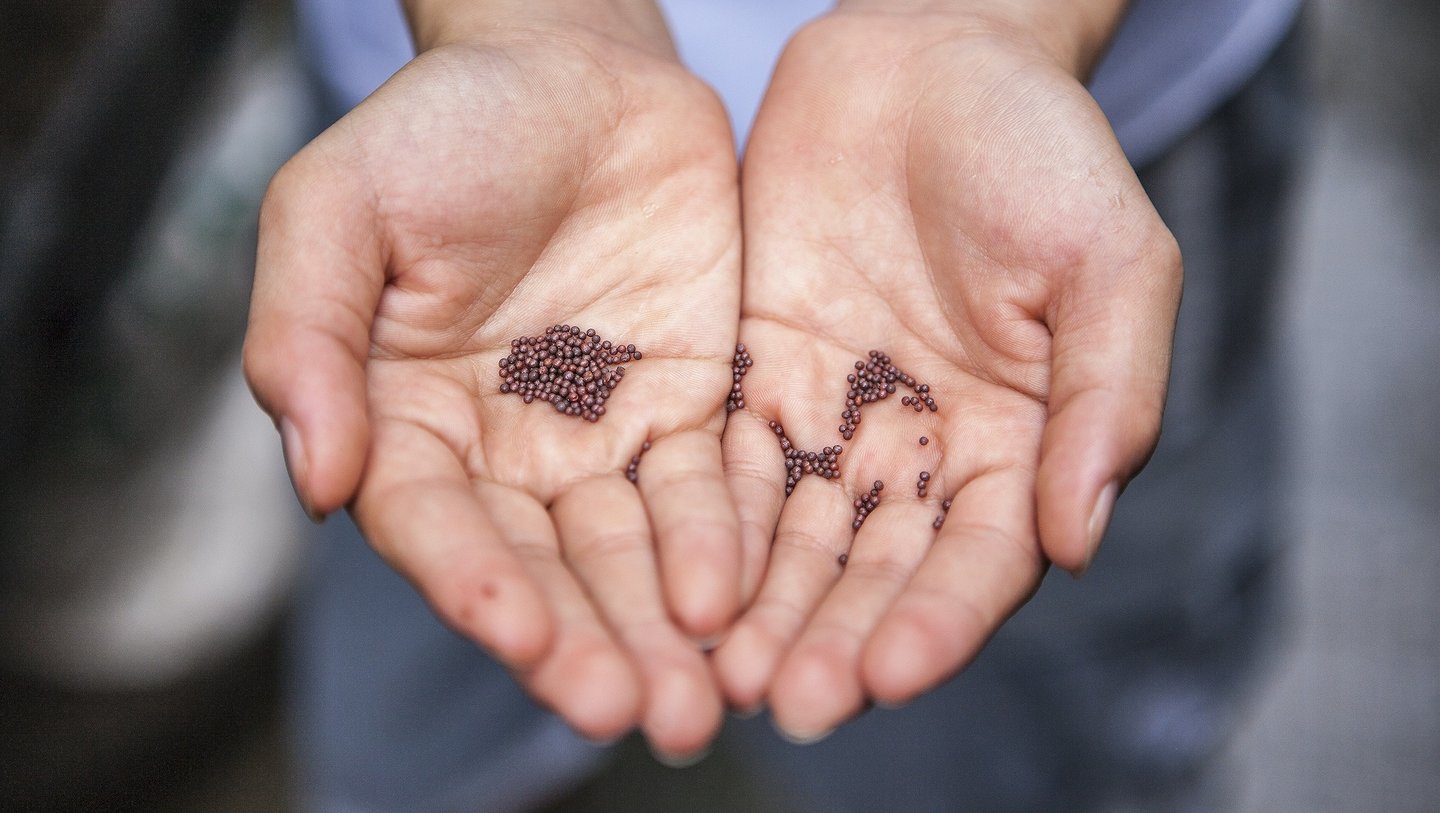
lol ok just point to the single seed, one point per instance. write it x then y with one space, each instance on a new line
843 558
924 440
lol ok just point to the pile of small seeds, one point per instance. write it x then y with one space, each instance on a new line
875 380
632 471
738 368
799 463
866 503
573 370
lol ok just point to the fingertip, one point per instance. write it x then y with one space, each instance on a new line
297 464
319 408
604 700
1090 449
702 601
1098 523
330 415
743 665
682 716
899 662
523 631
812 694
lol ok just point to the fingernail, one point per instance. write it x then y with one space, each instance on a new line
297 464
802 737
1099 521
670 760
603 742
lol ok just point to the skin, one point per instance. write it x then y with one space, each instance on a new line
930 179
935 183
513 176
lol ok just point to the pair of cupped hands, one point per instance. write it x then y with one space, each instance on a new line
936 185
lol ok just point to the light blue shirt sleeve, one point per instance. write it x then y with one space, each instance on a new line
1172 63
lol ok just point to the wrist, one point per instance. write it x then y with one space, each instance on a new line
638 23
1072 33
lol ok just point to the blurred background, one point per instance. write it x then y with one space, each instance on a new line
149 541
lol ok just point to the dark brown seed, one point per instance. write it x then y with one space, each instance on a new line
739 366
572 370
924 440
799 462
843 558
938 522
875 380
632 471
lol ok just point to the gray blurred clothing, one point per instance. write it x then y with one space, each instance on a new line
1111 691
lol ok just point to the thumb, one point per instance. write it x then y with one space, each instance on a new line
318 277
1112 334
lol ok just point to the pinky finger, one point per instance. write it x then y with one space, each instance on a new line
418 511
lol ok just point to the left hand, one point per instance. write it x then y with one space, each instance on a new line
944 189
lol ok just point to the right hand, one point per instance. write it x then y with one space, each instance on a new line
495 186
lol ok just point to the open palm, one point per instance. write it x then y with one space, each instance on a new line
483 194
956 201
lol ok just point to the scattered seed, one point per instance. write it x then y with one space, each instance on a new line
632 471
843 558
924 440
940 520
799 462
875 380
738 368
573 370
866 503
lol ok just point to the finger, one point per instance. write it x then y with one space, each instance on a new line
755 476
605 537
416 508
585 677
817 685
983 566
1111 366
813 531
318 276
697 535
